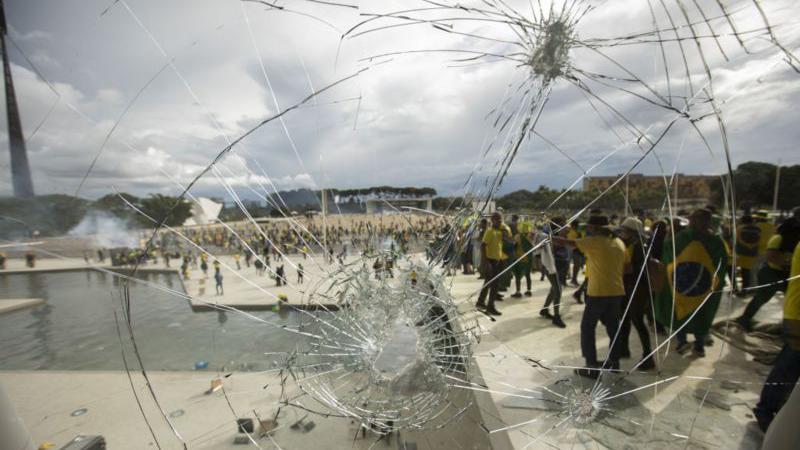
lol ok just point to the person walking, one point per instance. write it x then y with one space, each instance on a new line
786 371
748 235
522 259
492 248
637 292
695 277
218 281
773 273
605 291
545 252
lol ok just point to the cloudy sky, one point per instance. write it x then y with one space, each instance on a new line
157 88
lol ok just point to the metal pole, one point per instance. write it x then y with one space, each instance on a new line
324 219
777 187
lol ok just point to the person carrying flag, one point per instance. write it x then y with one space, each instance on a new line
694 281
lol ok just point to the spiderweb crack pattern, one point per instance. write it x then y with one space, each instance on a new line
341 365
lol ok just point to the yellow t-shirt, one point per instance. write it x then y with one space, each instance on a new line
573 234
605 261
767 231
791 305
775 243
493 238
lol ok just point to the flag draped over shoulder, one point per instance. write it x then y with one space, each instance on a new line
695 277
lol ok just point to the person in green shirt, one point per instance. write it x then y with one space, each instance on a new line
522 259
694 280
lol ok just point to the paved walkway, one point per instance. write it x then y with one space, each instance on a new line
520 356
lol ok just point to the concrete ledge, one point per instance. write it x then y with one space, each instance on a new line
15 304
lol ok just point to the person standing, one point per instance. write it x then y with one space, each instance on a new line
637 290
545 252
695 277
492 248
786 371
218 281
522 259
773 273
605 291
748 236
300 270
578 260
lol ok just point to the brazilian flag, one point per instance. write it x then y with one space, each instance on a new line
696 273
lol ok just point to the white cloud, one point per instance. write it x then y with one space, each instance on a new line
421 120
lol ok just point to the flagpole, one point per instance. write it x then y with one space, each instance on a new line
777 187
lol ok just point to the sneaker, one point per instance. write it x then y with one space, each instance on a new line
493 312
611 365
683 347
480 305
577 296
709 341
698 352
558 322
516 295
528 294
546 314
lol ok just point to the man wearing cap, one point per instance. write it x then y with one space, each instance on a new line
605 292
773 273
492 248
695 278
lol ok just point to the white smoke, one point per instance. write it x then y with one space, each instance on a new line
106 230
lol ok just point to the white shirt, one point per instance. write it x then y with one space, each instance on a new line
545 251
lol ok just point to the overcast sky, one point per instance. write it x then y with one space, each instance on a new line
186 75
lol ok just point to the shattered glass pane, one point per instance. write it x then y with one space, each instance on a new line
290 312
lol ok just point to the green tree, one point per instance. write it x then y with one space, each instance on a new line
114 204
175 210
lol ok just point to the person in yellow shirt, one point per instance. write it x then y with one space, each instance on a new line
786 371
774 272
493 256
748 237
605 292
761 219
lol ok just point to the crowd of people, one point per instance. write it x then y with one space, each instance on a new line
643 273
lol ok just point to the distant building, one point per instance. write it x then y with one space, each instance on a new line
380 205
690 188
204 212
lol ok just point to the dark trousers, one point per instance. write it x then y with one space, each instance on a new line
554 296
775 281
607 311
562 269
577 263
746 274
635 316
779 384
490 284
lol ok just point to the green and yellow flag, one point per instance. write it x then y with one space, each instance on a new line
694 277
